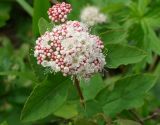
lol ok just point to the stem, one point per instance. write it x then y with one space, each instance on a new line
137 117
76 82
153 115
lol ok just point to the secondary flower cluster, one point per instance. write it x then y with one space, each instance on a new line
59 12
70 49
91 15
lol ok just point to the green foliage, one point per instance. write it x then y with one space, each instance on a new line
123 54
67 111
82 121
91 89
4 123
44 25
5 8
126 122
75 15
125 92
26 7
46 98
38 12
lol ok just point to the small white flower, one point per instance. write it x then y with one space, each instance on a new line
45 63
91 15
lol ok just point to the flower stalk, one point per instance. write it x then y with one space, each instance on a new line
76 83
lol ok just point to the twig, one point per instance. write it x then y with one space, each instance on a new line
76 82
152 116
137 117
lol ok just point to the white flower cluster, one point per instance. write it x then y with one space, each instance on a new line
70 48
91 15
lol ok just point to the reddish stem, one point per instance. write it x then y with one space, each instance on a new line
76 82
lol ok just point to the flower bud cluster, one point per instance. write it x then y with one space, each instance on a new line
59 12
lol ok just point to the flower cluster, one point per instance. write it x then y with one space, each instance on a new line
58 12
70 49
91 15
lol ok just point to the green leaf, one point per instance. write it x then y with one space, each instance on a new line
6 54
91 89
5 8
38 70
4 123
142 6
92 107
119 54
126 122
111 33
114 36
23 51
82 121
103 3
40 10
46 98
127 93
154 41
67 111
44 25
74 15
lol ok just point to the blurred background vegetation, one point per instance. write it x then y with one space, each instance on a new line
19 29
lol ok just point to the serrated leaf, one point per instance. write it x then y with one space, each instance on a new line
119 54
94 85
127 93
46 98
